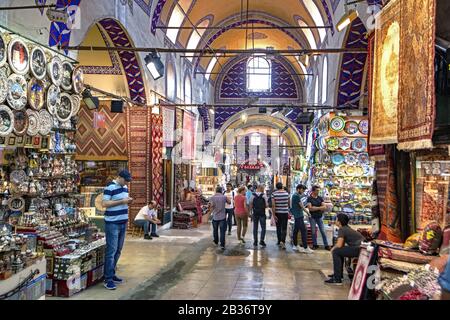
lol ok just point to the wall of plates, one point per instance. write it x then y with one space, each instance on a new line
342 167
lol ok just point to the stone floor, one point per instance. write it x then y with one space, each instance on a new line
185 265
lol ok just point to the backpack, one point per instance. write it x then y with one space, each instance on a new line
259 204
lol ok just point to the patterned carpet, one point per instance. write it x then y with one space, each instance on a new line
157 162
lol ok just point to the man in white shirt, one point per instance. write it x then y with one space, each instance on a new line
147 216
229 207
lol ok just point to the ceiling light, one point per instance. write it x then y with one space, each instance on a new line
244 117
275 111
154 65
346 20
212 111
90 101
287 112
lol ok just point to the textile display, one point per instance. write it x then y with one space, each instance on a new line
139 128
385 84
188 136
102 144
417 88
168 115
157 161
403 255
178 152
387 198
432 203
398 265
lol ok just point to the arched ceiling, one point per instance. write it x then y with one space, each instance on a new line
223 13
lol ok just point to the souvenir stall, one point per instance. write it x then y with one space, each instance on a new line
342 167
40 94
207 180
299 171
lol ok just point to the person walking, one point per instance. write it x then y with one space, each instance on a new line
298 202
116 201
316 207
257 209
241 212
229 207
219 221
280 206
249 193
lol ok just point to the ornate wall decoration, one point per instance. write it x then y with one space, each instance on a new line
385 86
59 31
146 6
417 84
157 161
168 126
157 14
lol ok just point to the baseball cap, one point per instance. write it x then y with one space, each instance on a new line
126 175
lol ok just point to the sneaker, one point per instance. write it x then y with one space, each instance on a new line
243 241
222 248
283 246
334 282
301 249
229 233
255 244
332 276
155 235
147 237
262 244
278 243
308 250
117 280
295 248
110 285
315 247
328 248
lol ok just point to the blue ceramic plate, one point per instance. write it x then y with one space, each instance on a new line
337 158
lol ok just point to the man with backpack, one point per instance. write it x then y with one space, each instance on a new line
229 207
258 205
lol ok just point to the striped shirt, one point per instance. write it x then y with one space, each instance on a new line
281 198
114 192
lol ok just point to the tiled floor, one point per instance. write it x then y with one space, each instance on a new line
185 265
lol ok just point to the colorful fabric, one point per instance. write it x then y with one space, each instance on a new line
116 192
139 128
405 256
385 84
157 161
432 198
417 88
101 144
188 136
430 239
168 126
397 265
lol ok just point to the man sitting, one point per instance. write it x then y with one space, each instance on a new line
347 246
148 216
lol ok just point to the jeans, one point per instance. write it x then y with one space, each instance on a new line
230 217
242 223
222 224
338 259
115 237
259 220
282 222
319 222
146 225
444 278
299 225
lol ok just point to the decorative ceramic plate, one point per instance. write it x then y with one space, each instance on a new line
323 127
78 80
359 145
321 156
3 50
333 144
363 158
66 83
18 176
18 56
351 159
337 158
344 143
53 98
351 127
350 171
20 122
321 143
364 127
36 94
3 87
76 104
33 122
337 124
65 109
17 92
46 122
55 71
38 63
16 204
6 121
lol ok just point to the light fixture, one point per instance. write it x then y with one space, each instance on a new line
211 110
275 111
154 65
347 19
91 102
244 117
287 112
262 110
156 109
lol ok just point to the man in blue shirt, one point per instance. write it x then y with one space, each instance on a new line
249 194
298 207
116 201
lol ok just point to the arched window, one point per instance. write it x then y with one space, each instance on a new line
171 82
316 16
177 18
316 91
187 90
259 75
195 37
308 34
325 80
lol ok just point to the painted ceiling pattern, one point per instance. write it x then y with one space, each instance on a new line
59 31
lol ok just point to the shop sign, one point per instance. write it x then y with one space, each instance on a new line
255 166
